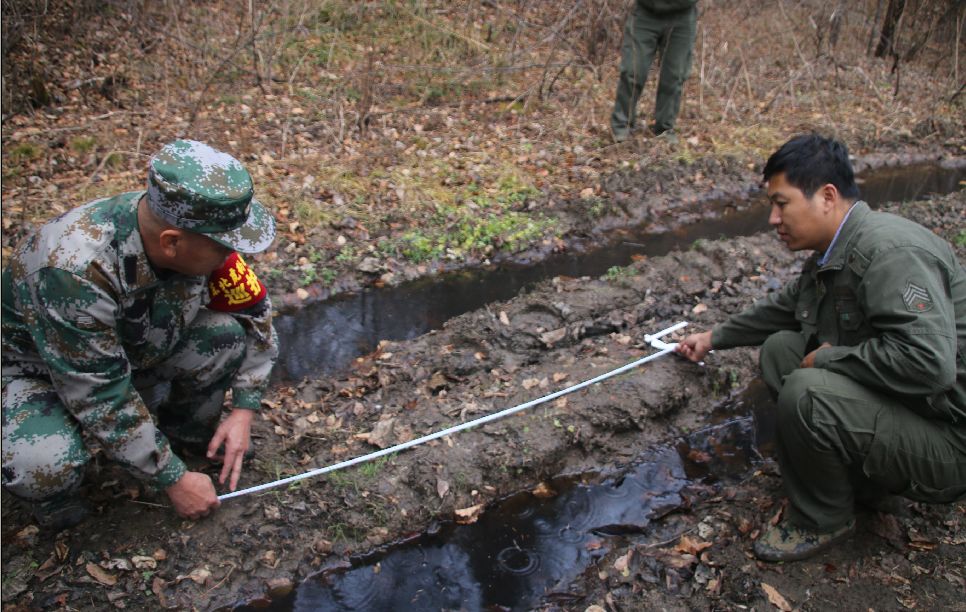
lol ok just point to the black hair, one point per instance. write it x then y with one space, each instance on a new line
810 161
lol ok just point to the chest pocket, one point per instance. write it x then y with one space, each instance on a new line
849 316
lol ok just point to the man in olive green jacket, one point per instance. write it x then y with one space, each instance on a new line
668 25
866 352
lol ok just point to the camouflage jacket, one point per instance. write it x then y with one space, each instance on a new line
82 305
891 300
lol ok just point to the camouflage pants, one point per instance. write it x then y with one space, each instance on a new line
44 454
839 441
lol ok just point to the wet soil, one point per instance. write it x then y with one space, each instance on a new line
135 553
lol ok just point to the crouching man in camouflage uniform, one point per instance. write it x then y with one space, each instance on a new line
866 352
120 297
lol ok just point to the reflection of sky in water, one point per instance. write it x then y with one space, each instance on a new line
325 337
514 554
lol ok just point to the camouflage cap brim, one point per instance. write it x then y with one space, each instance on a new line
254 236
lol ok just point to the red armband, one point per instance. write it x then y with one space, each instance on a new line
234 286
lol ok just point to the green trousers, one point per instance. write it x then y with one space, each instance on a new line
644 34
44 454
839 441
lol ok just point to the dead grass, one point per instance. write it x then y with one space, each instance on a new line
385 112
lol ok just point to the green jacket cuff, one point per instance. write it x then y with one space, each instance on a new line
171 473
720 339
246 398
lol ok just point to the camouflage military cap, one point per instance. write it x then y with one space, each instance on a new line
200 189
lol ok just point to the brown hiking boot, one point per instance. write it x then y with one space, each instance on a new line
786 542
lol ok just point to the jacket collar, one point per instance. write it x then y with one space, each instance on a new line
134 269
836 259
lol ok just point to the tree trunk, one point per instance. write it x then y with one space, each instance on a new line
887 41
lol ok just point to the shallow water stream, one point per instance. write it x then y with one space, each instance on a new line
528 547
325 337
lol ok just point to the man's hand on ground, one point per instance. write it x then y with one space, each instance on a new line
235 433
809 360
193 496
695 346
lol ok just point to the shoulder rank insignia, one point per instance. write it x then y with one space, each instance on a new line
234 286
916 298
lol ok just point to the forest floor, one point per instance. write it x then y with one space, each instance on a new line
399 140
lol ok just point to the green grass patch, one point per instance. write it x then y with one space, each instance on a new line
25 152
960 239
616 273
508 231
83 144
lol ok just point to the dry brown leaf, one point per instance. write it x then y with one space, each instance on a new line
49 568
699 308
468 516
553 336
101 575
776 598
200 575
621 563
442 487
560 376
530 383
142 562
691 546
679 561
157 585
504 318
437 381
380 434
543 491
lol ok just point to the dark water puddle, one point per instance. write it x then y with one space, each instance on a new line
527 548
326 337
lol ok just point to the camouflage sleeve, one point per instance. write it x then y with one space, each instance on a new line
752 327
73 325
253 376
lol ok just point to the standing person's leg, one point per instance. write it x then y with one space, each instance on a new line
200 369
829 427
676 52
44 456
637 52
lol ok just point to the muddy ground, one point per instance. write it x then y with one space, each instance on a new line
134 553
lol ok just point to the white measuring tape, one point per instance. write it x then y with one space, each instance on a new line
652 339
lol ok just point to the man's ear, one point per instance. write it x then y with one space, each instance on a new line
830 195
170 240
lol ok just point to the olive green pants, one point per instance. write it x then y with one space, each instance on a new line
839 440
644 34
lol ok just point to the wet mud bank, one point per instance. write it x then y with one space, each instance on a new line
257 549
323 337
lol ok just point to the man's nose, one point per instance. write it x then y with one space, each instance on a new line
775 216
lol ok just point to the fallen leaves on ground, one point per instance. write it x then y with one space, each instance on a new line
468 516
776 598
101 575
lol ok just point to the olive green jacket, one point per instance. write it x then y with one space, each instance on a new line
891 300
667 6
